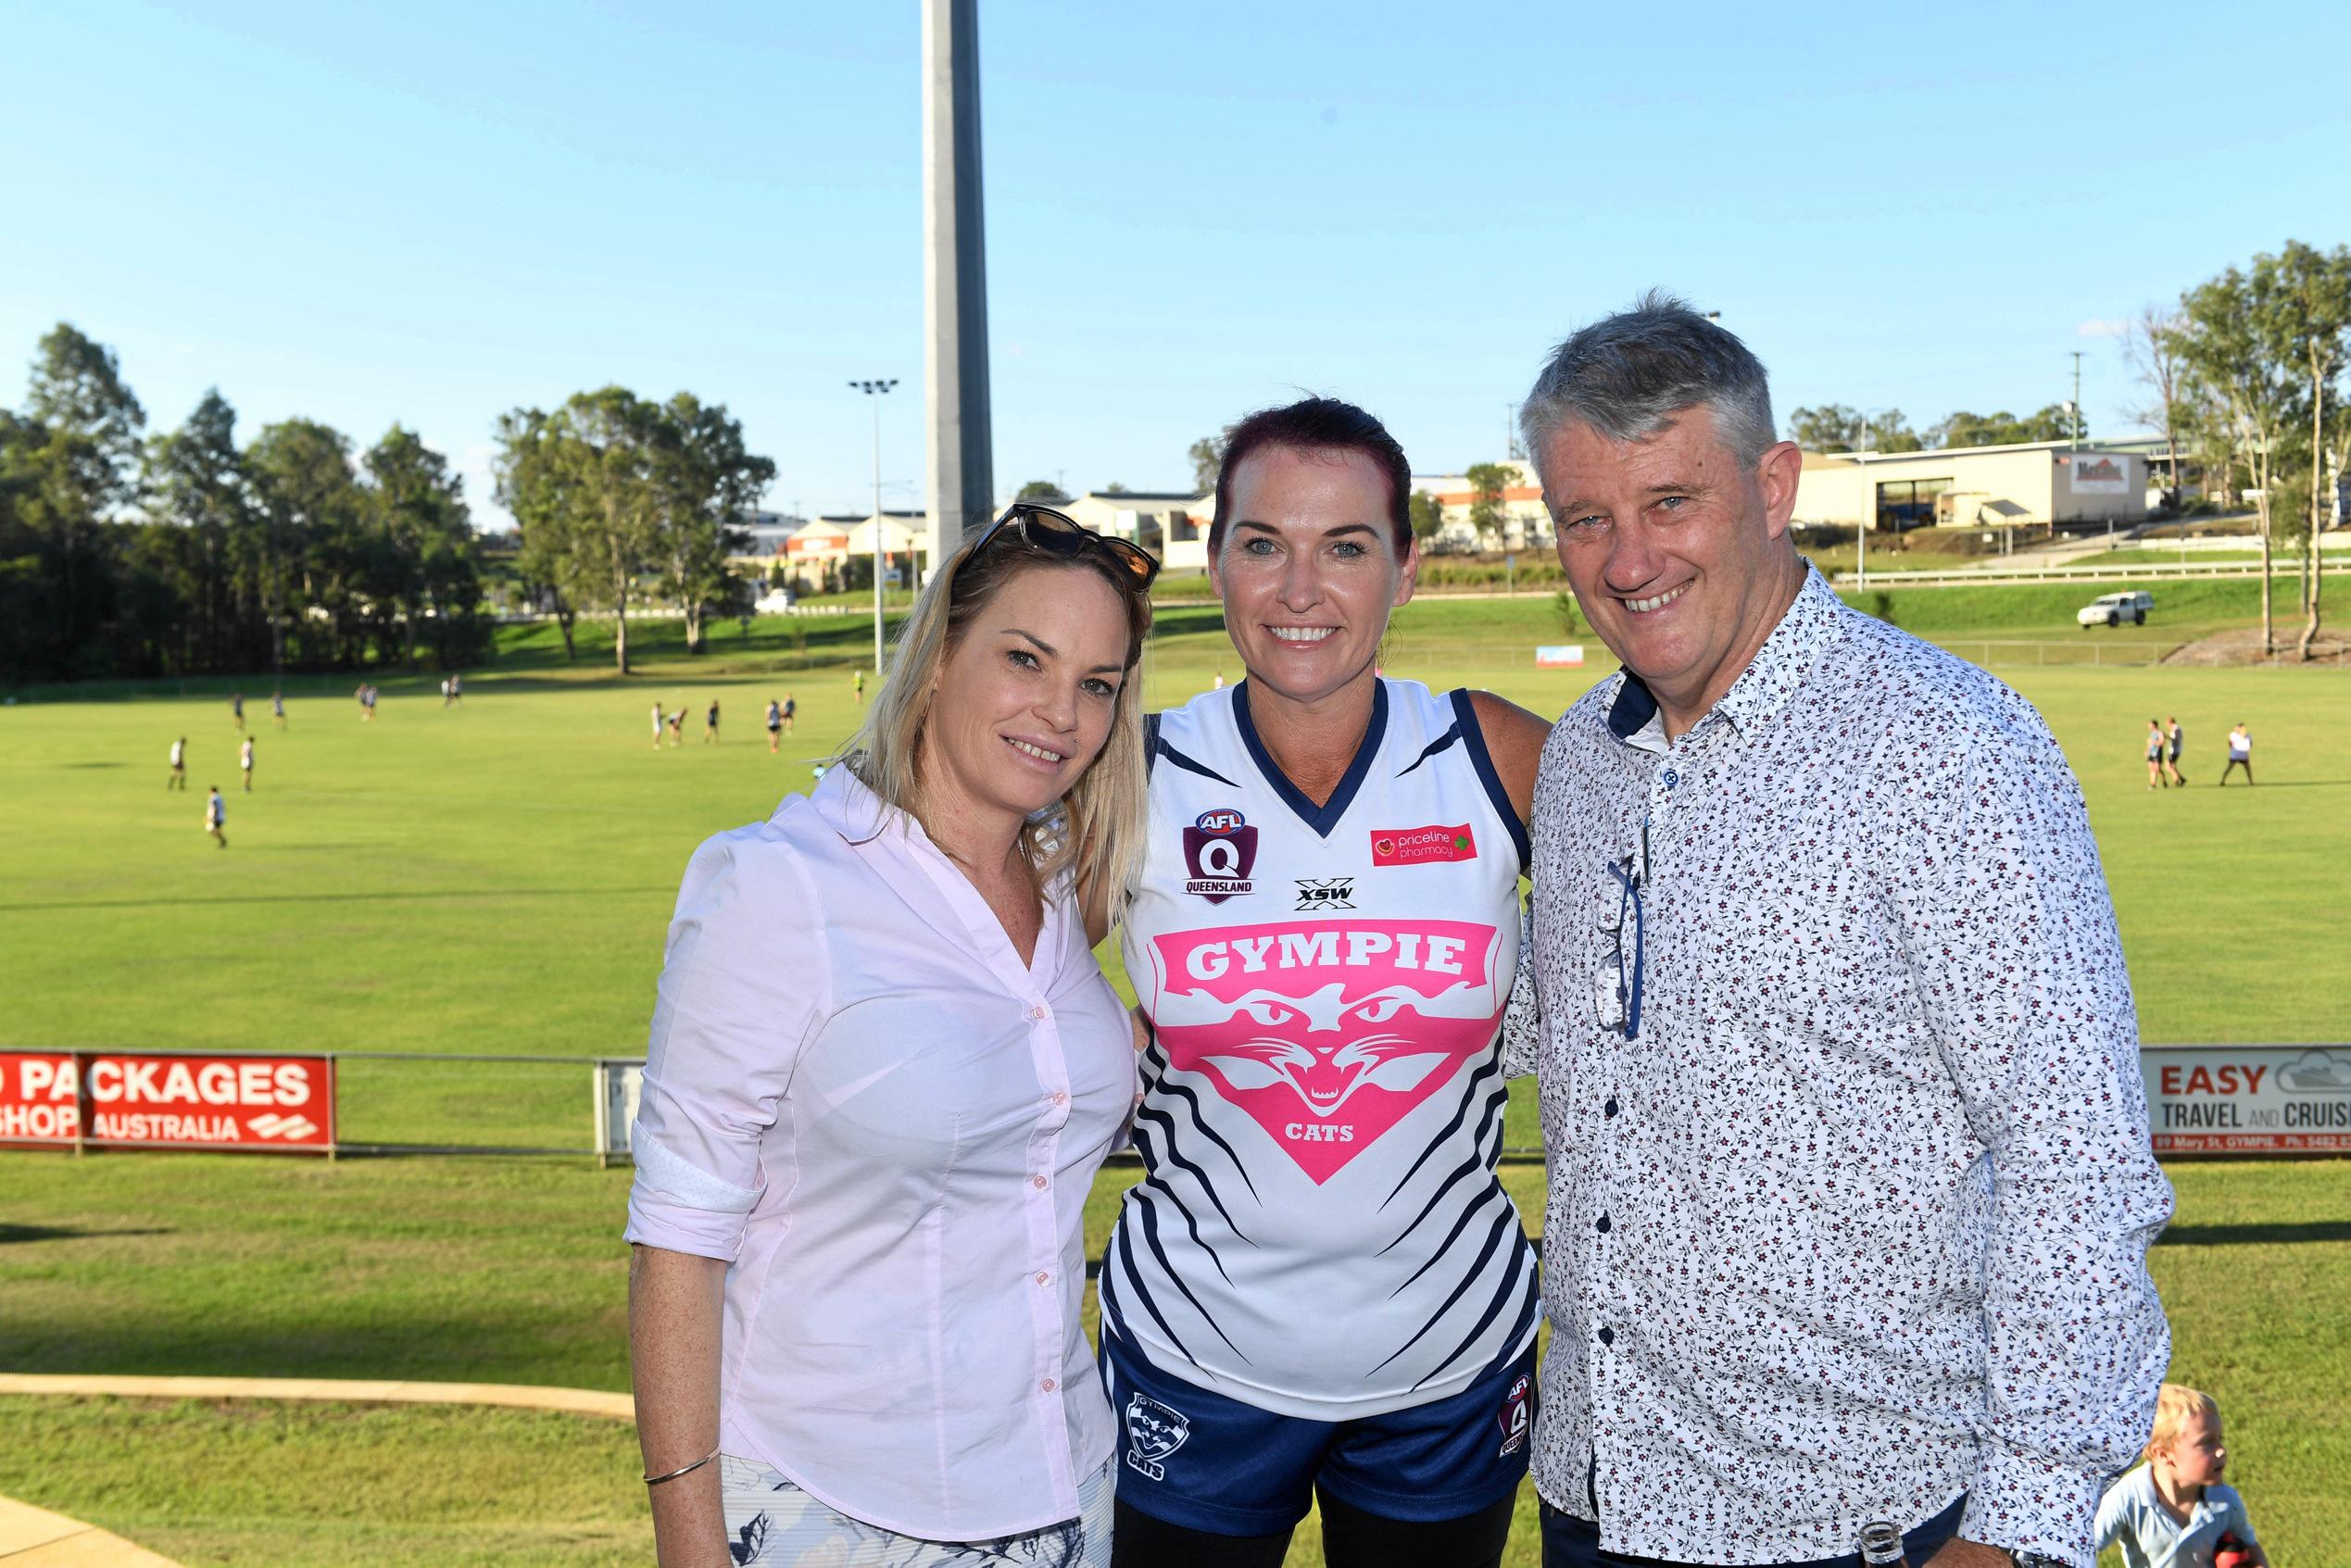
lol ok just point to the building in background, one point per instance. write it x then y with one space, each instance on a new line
2038 484
1524 524
1171 524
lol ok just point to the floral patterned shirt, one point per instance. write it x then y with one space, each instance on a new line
1850 1180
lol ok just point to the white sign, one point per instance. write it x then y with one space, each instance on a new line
1560 656
2095 474
2248 1100
619 1085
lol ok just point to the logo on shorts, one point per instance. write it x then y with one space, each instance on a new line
1326 893
1422 847
1219 849
1153 1431
1516 1417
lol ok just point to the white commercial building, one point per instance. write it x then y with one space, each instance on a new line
2036 482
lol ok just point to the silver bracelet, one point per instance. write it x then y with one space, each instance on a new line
682 1470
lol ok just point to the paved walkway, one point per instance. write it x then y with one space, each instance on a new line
33 1537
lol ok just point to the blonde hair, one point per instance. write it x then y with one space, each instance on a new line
2175 1405
1098 833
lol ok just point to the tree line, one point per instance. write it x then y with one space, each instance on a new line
1833 427
182 553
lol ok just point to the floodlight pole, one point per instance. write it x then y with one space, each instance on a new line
873 389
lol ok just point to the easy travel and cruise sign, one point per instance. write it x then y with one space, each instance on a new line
2248 1100
167 1099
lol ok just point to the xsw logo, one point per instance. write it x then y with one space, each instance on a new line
1153 1431
1326 893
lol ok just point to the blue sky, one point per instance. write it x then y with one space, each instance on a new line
430 214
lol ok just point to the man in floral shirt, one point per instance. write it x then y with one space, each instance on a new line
1850 1187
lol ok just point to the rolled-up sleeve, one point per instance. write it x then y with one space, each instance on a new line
744 986
2010 938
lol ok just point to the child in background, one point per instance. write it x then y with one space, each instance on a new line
2172 1511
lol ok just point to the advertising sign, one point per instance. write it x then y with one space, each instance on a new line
2248 1100
2096 474
149 1100
1560 656
619 1085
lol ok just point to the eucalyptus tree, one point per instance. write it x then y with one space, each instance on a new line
2308 293
2230 349
586 485
710 483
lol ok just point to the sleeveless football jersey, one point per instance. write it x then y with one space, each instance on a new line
1320 1233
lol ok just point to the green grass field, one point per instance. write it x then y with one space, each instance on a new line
495 879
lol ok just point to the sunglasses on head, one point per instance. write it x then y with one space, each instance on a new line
1058 533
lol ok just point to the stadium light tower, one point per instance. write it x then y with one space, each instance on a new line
875 389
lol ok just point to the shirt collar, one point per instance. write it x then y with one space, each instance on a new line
845 803
1810 624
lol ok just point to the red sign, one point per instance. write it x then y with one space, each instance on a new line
1421 846
147 1100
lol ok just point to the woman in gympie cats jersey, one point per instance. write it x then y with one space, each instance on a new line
1320 1290
884 1070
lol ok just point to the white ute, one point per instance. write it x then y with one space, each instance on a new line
2113 609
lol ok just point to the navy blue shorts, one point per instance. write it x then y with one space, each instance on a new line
1212 1463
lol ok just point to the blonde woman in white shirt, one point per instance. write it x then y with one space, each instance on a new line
884 1069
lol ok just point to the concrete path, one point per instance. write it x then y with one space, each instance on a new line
517 1396
35 1537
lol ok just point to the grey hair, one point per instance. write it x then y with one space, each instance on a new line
1627 376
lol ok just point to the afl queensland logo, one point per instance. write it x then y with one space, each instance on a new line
1219 849
1153 1431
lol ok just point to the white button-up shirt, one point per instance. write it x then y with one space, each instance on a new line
860 1097
1857 1220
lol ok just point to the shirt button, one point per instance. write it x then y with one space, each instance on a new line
1037 1181
1608 1336
1610 1109
1673 777
1047 1385
1060 1097
1039 1013
1044 1279
1602 1227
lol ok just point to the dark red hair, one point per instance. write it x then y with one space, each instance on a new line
1317 424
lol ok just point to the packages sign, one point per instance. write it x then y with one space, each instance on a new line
2249 1099
144 1099
1559 656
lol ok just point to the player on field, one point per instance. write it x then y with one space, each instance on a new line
277 708
236 710
244 763
710 724
659 721
216 816
775 724
178 779
857 684
1319 1290
791 710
